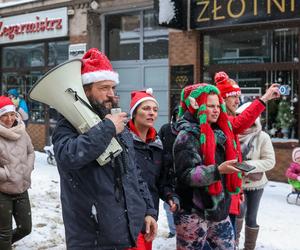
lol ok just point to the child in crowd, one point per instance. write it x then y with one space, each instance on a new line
293 172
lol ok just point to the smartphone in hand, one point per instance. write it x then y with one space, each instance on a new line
115 111
244 167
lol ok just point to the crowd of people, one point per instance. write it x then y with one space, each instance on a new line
197 164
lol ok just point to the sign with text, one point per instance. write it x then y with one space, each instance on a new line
207 14
77 50
34 26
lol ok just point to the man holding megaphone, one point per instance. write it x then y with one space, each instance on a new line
104 207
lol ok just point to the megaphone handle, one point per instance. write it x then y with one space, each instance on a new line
77 97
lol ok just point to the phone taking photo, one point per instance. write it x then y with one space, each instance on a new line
244 167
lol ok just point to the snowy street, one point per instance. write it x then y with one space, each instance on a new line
279 220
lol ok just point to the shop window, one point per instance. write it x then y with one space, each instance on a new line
155 37
58 52
281 117
24 65
123 36
135 36
256 47
23 82
23 56
251 47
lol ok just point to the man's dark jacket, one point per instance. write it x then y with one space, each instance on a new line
99 212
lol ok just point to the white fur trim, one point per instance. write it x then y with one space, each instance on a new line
7 108
147 98
243 107
97 76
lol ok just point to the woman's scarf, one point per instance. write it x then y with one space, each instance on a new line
246 139
151 134
207 136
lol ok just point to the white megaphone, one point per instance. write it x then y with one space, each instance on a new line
61 88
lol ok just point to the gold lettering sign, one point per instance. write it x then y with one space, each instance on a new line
242 11
214 13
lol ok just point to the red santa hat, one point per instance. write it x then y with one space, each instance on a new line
97 67
137 97
227 86
6 105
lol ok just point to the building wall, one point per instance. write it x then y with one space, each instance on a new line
78 21
184 49
283 154
37 134
110 5
34 6
78 25
93 30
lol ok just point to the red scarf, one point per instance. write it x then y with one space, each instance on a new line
151 134
207 137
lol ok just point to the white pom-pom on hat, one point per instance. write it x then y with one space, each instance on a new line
149 91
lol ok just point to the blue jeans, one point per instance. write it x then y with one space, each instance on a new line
170 218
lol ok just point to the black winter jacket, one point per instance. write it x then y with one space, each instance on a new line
95 216
168 135
149 156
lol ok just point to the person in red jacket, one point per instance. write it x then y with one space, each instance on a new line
231 92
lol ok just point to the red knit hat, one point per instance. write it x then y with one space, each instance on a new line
6 105
137 97
200 93
97 67
227 86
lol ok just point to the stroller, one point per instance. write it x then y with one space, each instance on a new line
294 196
49 151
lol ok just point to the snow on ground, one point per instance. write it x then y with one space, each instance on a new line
279 220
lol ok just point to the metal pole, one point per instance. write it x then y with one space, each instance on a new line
188 21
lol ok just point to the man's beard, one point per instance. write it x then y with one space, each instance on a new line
101 109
